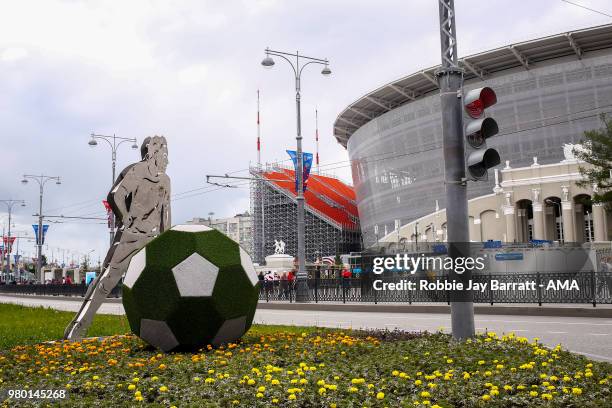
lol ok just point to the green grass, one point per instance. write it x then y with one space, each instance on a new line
23 325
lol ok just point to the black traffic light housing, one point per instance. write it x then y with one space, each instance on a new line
478 157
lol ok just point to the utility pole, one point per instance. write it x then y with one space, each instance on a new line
8 244
450 81
301 62
41 180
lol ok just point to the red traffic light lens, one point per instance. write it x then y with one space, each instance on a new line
475 109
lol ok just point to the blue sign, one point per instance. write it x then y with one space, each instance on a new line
541 242
439 249
44 232
306 163
356 270
492 244
509 256
89 276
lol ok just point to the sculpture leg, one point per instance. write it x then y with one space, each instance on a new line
96 294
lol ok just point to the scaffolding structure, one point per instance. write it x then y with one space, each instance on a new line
332 225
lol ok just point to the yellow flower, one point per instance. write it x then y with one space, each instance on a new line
481 362
418 382
261 389
576 391
486 397
259 395
547 397
162 367
251 382
353 389
275 382
533 393
449 361
380 395
292 397
322 390
425 394
395 373
131 387
95 377
275 400
163 388
139 398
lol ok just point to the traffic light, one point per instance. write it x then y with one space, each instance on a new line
478 129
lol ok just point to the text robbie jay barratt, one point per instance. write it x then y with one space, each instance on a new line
424 284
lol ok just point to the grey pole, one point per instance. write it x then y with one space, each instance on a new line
450 80
302 276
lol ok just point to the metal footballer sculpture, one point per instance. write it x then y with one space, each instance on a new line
140 200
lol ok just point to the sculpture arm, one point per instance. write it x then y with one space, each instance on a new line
119 195
166 216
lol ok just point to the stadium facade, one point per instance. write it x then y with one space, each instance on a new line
549 90
331 219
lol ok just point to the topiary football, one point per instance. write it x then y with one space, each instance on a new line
190 287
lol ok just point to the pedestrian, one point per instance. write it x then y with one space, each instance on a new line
276 284
284 286
260 277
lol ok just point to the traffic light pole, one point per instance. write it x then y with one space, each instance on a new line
450 80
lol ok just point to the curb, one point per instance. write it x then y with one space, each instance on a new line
479 310
555 311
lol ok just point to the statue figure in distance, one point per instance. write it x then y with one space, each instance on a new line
140 200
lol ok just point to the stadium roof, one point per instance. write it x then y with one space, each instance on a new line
482 65
326 197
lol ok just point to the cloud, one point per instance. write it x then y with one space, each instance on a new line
190 70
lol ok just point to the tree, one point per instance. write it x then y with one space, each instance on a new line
596 150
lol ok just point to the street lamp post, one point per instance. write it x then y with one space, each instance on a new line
114 142
41 180
7 245
302 277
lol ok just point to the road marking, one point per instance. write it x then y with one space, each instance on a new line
517 330
598 334
556 332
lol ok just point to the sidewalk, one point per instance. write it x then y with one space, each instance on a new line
514 309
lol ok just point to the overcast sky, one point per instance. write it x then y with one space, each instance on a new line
190 70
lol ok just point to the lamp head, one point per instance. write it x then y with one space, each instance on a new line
58 182
135 145
92 142
24 181
267 62
326 71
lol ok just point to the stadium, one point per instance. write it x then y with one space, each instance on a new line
331 220
549 90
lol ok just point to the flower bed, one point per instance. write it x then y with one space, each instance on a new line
314 368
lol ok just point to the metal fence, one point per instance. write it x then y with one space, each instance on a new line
589 288
52 290
582 287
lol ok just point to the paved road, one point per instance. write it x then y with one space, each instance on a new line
589 336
